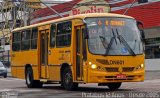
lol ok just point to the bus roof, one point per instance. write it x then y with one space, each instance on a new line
81 16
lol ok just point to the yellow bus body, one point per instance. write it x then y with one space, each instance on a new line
58 57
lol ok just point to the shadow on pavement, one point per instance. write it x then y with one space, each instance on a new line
84 89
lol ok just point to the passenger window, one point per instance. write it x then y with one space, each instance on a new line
25 45
16 41
52 36
63 37
34 37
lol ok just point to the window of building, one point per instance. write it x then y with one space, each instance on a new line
2 24
34 37
63 37
16 41
52 36
10 23
152 49
152 52
18 23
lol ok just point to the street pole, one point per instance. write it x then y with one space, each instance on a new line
51 9
129 7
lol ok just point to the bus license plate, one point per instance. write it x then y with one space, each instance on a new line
121 76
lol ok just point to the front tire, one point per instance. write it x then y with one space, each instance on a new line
67 80
30 82
114 86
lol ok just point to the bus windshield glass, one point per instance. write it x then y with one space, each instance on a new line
114 36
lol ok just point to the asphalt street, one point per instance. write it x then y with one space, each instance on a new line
16 88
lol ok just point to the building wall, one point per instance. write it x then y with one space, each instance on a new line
152 32
152 64
148 13
13 15
64 9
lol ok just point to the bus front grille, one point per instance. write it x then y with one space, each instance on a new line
113 69
127 69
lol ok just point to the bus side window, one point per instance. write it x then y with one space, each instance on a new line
52 36
34 37
16 41
63 37
84 37
25 44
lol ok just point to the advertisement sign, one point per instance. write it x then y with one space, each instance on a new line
35 4
90 6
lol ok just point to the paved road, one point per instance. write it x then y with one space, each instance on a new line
12 87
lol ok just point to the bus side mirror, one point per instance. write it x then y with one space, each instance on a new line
141 27
142 34
140 24
85 33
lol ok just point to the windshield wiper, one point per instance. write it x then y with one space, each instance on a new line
121 40
125 43
103 40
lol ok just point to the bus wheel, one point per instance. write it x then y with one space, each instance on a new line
62 86
38 84
67 80
114 86
30 82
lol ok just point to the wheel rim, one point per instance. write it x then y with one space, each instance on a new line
28 78
68 78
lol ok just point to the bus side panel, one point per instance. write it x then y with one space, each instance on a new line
30 58
14 71
13 68
35 72
54 72
20 60
17 67
58 57
20 72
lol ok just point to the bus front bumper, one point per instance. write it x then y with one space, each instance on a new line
109 77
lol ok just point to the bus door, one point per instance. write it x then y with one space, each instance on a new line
44 54
79 53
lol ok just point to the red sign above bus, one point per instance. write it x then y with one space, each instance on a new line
90 6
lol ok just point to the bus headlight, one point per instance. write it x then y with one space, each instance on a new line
93 66
90 63
98 68
140 66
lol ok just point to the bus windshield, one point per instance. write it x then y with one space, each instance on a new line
114 36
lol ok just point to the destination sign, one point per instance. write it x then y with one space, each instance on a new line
115 23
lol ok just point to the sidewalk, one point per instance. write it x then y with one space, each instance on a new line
151 75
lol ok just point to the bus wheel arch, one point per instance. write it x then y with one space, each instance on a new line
66 73
30 82
27 66
29 76
63 66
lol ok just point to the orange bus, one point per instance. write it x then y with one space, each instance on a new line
100 48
